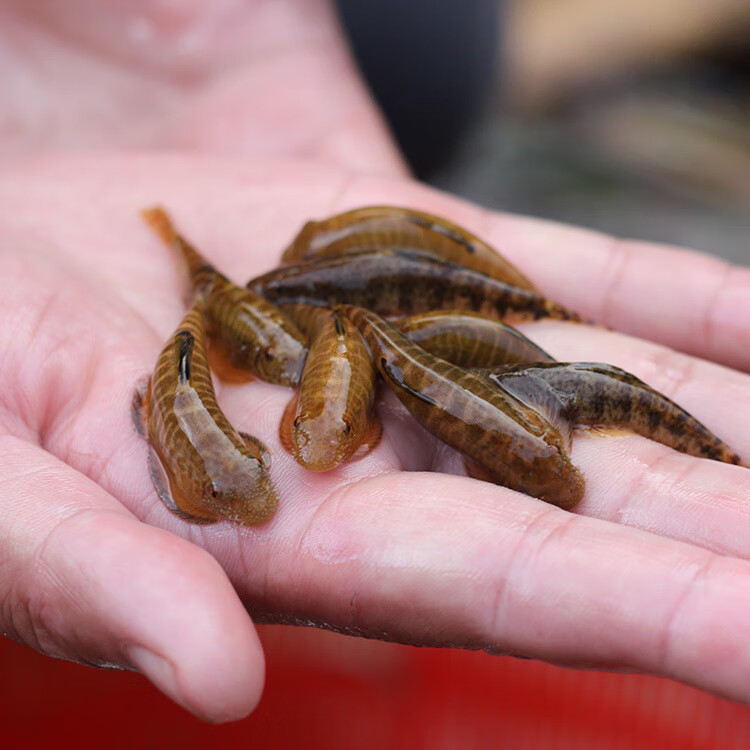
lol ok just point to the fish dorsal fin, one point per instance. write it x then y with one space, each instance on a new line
187 342
540 396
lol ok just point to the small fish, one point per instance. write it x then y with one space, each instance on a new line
202 468
470 340
247 335
505 440
604 395
391 227
400 282
330 420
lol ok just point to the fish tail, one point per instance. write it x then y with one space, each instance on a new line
200 271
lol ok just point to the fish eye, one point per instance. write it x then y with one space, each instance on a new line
347 427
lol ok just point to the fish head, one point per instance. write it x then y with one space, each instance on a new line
322 441
243 493
280 361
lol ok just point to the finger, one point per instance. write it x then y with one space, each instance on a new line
446 560
689 301
684 300
82 579
629 479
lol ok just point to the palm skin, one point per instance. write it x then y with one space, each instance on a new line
650 573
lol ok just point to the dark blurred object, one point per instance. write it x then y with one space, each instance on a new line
556 48
429 64
632 118
665 158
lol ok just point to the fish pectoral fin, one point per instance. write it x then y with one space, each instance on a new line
139 406
545 400
287 421
371 438
257 446
190 518
218 361
160 481
603 431
477 471
557 413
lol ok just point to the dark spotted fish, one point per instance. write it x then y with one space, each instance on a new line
601 394
400 282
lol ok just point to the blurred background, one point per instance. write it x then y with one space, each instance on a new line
631 117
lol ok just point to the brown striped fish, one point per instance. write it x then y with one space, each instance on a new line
202 468
247 335
331 420
392 227
505 440
470 340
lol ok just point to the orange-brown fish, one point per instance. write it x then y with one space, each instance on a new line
247 334
605 395
400 282
508 441
202 468
392 227
330 420
470 340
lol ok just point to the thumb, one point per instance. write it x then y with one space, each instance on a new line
82 579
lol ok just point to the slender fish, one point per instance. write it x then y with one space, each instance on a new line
247 335
508 441
601 394
400 282
391 227
331 420
202 468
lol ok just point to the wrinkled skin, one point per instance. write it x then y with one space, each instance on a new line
651 572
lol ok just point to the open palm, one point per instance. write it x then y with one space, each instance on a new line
650 573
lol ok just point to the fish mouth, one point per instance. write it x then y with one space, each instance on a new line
251 510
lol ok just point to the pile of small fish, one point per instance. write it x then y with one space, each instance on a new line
399 293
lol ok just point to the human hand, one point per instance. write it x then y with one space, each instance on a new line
243 78
255 80
100 570
97 569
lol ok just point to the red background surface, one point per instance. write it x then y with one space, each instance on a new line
330 691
